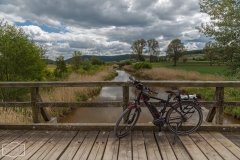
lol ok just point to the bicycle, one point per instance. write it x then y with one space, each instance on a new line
184 112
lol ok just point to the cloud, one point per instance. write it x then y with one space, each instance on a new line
105 26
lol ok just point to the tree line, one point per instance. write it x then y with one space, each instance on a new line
175 50
224 31
76 64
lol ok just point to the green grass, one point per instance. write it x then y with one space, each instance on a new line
201 67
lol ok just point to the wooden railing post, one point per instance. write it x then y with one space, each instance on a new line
35 109
220 106
212 110
217 108
125 97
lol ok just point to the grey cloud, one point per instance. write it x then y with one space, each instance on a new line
131 20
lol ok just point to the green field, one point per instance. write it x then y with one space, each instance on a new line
201 67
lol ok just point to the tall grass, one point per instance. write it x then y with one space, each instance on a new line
73 94
161 73
61 94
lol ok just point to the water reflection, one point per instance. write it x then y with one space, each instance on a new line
110 115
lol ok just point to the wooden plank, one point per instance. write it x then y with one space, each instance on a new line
165 147
34 143
208 151
151 146
27 142
192 148
4 132
46 148
138 146
17 146
99 146
11 136
85 149
60 147
111 151
166 83
178 148
125 148
222 151
227 143
74 146
233 136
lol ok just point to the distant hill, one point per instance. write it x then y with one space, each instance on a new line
49 61
119 57
195 52
104 58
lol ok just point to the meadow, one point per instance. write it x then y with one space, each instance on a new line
193 71
201 67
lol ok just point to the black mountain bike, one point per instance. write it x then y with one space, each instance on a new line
182 117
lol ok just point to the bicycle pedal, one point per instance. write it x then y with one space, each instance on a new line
160 134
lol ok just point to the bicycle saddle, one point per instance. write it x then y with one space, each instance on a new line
176 92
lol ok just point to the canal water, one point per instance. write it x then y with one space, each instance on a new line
111 115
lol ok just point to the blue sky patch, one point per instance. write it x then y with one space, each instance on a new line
43 27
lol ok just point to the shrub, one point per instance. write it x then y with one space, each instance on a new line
141 65
185 59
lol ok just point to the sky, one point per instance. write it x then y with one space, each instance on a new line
105 27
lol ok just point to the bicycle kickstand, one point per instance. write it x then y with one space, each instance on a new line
160 131
175 134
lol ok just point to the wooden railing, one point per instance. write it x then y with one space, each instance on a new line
38 107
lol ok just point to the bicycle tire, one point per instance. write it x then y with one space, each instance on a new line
122 129
190 120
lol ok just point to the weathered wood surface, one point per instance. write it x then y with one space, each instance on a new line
120 84
18 144
38 106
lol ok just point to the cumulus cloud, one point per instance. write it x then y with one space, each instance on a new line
105 26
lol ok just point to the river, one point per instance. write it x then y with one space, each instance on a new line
110 115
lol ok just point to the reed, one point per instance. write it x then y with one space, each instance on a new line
161 73
66 94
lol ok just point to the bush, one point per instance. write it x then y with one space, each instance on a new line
141 65
184 59
123 63
86 64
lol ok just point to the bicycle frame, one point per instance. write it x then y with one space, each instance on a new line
184 105
163 110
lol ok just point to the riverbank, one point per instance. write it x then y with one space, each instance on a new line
207 93
67 94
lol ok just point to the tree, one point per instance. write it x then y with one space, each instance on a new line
61 66
137 48
175 50
153 48
86 65
76 60
96 61
210 50
20 59
224 24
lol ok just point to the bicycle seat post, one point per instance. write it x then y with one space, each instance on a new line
169 97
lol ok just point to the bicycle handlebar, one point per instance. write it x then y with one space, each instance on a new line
181 97
140 87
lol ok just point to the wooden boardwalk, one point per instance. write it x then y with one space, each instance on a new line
66 145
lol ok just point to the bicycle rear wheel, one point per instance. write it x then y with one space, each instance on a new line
186 115
126 122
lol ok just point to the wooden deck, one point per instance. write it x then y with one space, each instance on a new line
66 145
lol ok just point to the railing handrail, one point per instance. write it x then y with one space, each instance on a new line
161 83
39 107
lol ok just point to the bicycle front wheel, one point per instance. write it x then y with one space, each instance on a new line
126 122
185 116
